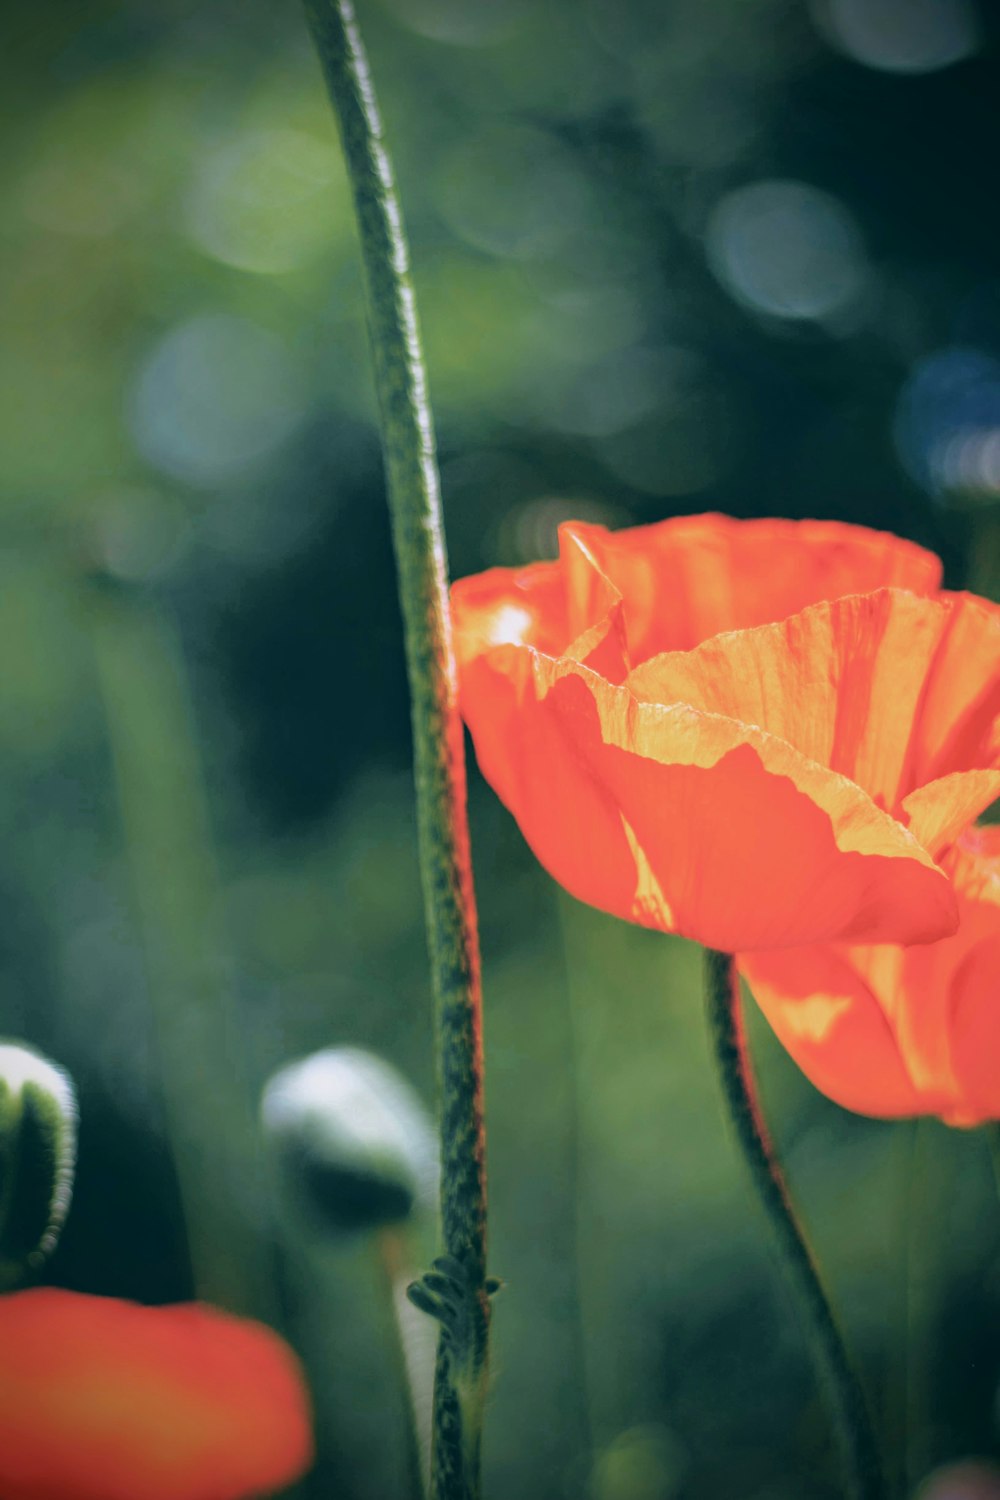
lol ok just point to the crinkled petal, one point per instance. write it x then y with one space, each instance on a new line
107 1400
959 721
566 608
595 610
683 580
937 813
849 683
688 821
690 577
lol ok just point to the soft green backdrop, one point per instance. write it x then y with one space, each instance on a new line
671 256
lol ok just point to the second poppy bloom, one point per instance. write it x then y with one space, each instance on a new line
107 1400
696 732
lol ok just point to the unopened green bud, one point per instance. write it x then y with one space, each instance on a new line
37 1157
353 1137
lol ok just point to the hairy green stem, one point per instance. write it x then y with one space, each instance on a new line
859 1452
418 536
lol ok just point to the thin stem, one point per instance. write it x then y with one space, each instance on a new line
206 1094
574 1181
859 1453
418 536
983 562
414 1353
910 1302
992 1133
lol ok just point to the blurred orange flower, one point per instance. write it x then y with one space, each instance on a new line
107 1400
900 1031
773 785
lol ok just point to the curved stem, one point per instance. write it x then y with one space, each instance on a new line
418 537
859 1453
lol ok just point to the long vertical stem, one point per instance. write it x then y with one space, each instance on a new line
908 1396
209 1112
418 535
414 1351
991 1131
577 1255
858 1449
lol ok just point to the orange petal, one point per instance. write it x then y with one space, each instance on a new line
888 1030
851 683
959 721
824 1014
685 579
565 608
973 958
107 1400
688 821
682 581
974 865
937 813
595 610
975 1026
510 605
527 754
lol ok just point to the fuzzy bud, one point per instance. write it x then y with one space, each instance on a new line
38 1119
354 1139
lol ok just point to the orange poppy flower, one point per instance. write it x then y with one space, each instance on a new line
107 1400
772 785
894 1031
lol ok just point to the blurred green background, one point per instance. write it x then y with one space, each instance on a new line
671 255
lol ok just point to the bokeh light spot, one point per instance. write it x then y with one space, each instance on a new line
901 36
214 396
91 204
139 533
624 387
947 424
787 249
683 434
514 191
266 201
644 1463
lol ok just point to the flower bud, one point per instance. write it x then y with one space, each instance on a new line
353 1138
37 1156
